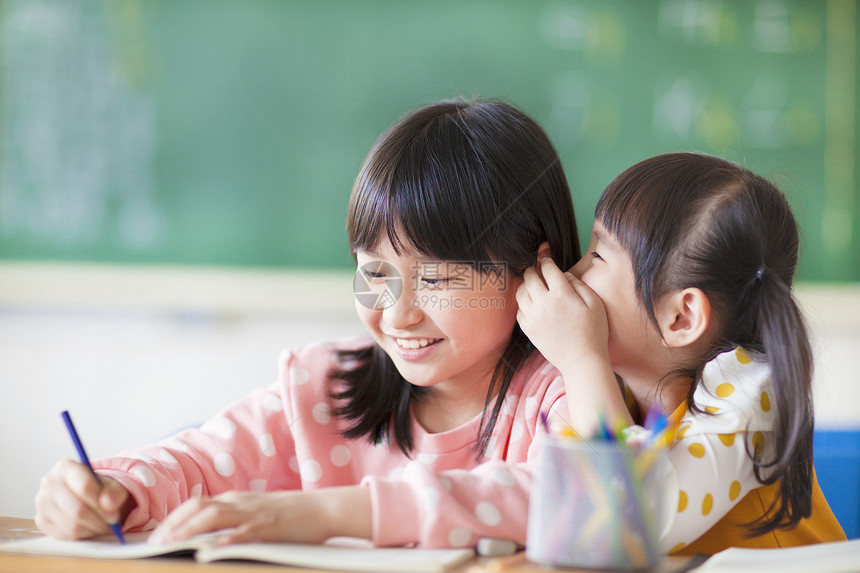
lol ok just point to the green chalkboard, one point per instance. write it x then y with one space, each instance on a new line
229 132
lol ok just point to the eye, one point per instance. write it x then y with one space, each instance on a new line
596 255
373 274
434 282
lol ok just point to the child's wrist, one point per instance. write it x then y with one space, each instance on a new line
347 511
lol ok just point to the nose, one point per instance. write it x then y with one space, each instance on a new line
403 312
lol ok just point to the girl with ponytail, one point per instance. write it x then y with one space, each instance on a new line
684 301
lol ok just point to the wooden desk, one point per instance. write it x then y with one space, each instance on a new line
17 528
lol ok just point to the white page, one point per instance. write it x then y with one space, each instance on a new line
835 557
344 554
104 547
341 558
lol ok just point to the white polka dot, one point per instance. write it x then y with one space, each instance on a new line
516 430
397 473
299 376
432 497
459 537
267 445
167 457
321 414
446 483
340 455
488 514
225 428
491 445
427 458
272 403
197 490
224 464
413 472
503 477
294 464
144 474
178 445
531 406
311 470
258 485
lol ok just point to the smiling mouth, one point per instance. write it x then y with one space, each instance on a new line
415 343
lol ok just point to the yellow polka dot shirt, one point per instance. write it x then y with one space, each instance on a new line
709 473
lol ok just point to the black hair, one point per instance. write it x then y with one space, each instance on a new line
456 180
693 220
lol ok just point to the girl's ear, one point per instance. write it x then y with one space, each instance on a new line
544 251
684 317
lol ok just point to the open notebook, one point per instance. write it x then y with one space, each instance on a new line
340 554
835 557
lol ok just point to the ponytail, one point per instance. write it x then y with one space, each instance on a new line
785 342
692 220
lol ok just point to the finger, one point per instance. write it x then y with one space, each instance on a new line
523 321
62 523
214 515
77 515
588 296
552 275
79 480
522 295
164 533
67 499
47 525
260 527
45 516
533 282
197 516
111 499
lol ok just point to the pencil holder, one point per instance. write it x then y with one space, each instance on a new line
592 505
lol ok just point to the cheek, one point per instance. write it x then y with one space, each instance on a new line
497 317
369 318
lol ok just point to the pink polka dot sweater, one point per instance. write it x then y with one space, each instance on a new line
284 438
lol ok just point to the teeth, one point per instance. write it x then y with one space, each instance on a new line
413 343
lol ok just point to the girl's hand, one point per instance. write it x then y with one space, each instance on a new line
567 322
290 516
564 319
70 504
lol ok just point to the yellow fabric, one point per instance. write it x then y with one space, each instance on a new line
730 531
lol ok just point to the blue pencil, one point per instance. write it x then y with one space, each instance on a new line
82 454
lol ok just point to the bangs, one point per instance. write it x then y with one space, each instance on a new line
429 196
622 211
648 209
474 183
